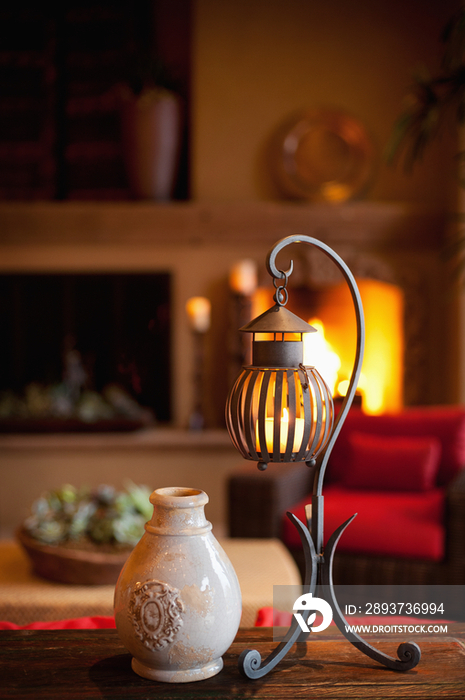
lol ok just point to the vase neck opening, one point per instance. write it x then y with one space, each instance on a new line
178 511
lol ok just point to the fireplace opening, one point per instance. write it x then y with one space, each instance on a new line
329 309
88 348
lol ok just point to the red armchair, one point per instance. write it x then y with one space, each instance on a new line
401 473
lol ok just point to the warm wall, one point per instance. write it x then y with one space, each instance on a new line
257 61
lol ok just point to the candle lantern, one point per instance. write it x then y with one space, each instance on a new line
280 410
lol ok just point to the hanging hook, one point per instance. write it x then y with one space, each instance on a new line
274 271
281 295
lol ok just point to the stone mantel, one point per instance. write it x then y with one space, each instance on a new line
161 438
371 224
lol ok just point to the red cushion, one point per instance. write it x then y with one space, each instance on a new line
391 463
389 524
446 423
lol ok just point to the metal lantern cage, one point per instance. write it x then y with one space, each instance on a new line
279 410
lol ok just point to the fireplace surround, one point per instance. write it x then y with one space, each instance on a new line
197 243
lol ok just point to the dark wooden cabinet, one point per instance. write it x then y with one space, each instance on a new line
61 70
27 104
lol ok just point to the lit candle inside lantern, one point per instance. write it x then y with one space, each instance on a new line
283 433
198 309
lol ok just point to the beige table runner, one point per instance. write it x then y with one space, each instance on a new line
25 598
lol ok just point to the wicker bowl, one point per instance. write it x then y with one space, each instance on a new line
82 567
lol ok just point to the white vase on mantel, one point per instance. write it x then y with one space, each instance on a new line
177 600
151 128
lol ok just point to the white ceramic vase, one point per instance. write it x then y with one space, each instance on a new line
177 599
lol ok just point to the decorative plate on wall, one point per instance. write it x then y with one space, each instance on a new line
322 155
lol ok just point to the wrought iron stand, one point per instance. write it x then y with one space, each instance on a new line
319 560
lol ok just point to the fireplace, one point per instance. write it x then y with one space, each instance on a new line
198 244
329 309
85 348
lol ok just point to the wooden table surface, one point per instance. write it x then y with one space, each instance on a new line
94 664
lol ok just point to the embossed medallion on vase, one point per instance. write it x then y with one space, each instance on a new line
177 600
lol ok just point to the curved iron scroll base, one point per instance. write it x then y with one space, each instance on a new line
250 661
409 653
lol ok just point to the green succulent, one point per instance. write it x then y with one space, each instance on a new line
102 516
127 527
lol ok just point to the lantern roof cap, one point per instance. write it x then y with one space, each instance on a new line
278 319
